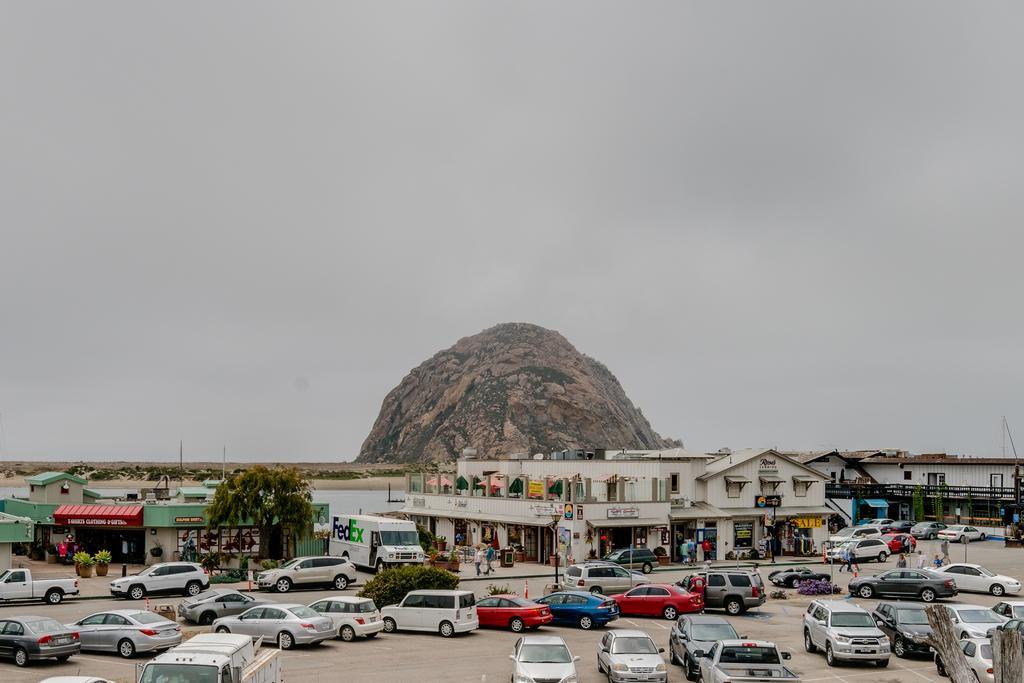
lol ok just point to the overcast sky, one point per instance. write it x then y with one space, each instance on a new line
779 224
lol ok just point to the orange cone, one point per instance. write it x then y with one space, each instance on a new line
526 589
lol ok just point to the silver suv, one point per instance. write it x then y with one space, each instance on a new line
602 578
187 578
845 632
336 572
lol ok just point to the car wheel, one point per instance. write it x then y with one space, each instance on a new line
899 648
223 629
596 590
930 537
347 633
882 663
380 566
285 641
830 657
516 625
690 670
340 582
136 592
982 537
193 588
389 625
21 657
370 636
283 585
733 606
927 595
647 568
997 589
586 623
865 591
446 629
670 613
206 618
882 557
808 643
63 658
126 648
54 596
794 582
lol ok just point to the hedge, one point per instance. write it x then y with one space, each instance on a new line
390 586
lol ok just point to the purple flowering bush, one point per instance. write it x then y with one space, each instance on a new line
818 587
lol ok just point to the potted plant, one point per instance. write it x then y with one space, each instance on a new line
83 563
453 562
441 543
156 551
662 555
210 561
432 557
102 560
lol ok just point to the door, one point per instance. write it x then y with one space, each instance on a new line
17 585
6 646
632 602
12 633
554 603
819 623
233 603
437 608
114 628
911 581
159 580
970 578
411 613
655 601
374 547
488 612
714 593
575 607
248 624
269 624
602 652
622 579
90 631
884 616
304 572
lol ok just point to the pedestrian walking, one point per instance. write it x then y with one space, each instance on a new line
682 553
691 551
848 559
706 547
489 557
945 551
478 559
901 563
920 559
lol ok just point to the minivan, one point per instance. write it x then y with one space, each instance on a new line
438 611
601 577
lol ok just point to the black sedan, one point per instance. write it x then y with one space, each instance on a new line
900 526
921 584
693 632
28 639
792 576
903 623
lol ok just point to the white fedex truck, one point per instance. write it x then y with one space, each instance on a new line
375 542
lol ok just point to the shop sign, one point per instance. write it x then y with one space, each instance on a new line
197 519
536 488
546 510
768 465
623 512
419 502
458 502
808 522
767 501
96 521
568 511
744 534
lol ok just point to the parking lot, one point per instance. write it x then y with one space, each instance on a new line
483 655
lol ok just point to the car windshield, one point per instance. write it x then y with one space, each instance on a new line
979 616
148 617
912 617
852 619
848 531
303 612
366 606
544 654
749 655
986 651
614 555
289 563
172 673
147 571
44 625
1018 612
399 538
985 572
711 632
634 646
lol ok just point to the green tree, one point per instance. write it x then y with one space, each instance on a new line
970 508
939 505
274 499
390 586
918 504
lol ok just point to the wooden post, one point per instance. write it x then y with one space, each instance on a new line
944 641
1007 657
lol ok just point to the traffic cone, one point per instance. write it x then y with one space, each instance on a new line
147 603
526 589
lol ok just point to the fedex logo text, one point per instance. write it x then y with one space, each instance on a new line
346 532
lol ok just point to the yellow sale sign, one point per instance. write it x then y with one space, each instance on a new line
536 489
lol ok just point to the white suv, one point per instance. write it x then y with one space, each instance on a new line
187 578
863 550
336 572
845 632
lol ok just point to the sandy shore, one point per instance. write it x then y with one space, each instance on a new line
365 484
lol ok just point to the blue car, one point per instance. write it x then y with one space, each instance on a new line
580 608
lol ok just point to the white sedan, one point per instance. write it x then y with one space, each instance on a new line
961 533
978 652
974 621
977 579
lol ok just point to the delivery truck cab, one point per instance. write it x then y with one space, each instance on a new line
375 542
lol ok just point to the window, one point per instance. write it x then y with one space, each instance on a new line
323 607
13 628
117 620
995 481
907 475
739 579
94 620
412 600
272 613
489 602
716 580
254 613
969 648
936 478
674 483
660 592
733 490
800 488
574 600
439 601
16 577
574 571
467 600
552 600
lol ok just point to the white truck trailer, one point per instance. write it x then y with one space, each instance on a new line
375 542
214 658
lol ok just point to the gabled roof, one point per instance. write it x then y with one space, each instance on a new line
736 458
44 478
91 493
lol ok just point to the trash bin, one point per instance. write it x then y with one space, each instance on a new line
508 557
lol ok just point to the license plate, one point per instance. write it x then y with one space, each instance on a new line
63 640
864 652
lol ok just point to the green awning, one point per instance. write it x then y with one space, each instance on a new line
556 488
461 484
516 486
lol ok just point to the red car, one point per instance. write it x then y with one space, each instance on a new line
900 543
511 611
659 599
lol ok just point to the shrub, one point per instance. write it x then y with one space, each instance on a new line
269 564
426 538
818 587
230 576
660 552
390 586
494 589
83 558
102 557
210 560
779 595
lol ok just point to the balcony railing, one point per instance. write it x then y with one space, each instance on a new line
888 491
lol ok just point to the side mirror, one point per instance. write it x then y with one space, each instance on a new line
660 650
822 622
576 658
787 655
699 654
742 636
512 657
879 622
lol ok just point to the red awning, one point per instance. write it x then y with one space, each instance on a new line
98 515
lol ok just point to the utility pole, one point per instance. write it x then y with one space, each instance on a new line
181 463
224 463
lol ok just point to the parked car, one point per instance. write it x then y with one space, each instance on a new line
879 522
734 590
962 533
351 616
630 655
438 611
309 572
216 603
854 533
922 584
974 621
903 622
286 624
976 579
756 661
28 639
900 543
978 652
900 526
187 578
862 550
659 599
643 559
792 576
927 530
601 577
693 633
542 658
513 612
127 631
1011 609
584 609
17 584
846 632
75 679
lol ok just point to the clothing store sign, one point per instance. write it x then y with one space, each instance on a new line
623 512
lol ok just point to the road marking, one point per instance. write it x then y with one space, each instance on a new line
662 626
631 622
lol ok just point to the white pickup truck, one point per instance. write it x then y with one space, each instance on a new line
17 584
214 658
744 661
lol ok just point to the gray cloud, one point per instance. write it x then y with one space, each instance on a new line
792 224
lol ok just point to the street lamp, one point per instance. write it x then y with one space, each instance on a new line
555 519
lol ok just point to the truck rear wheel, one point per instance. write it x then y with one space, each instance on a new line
380 566
54 596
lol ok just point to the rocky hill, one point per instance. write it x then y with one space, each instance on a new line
512 388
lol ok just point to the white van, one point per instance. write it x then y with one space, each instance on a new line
375 542
440 611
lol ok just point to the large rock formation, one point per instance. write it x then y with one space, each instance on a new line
514 388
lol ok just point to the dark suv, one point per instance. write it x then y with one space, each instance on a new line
734 590
633 558
903 622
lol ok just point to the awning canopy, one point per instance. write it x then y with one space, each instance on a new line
771 479
809 478
627 521
876 503
736 480
699 511
538 520
98 515
801 511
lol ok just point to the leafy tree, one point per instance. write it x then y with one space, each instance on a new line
390 586
970 508
276 500
939 505
918 504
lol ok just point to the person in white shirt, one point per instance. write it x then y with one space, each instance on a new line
920 560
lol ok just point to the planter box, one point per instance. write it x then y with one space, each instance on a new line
85 571
662 560
101 569
520 556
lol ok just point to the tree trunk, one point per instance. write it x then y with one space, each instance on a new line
1007 656
944 641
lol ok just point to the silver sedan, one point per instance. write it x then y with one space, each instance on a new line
127 631
286 624
220 602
